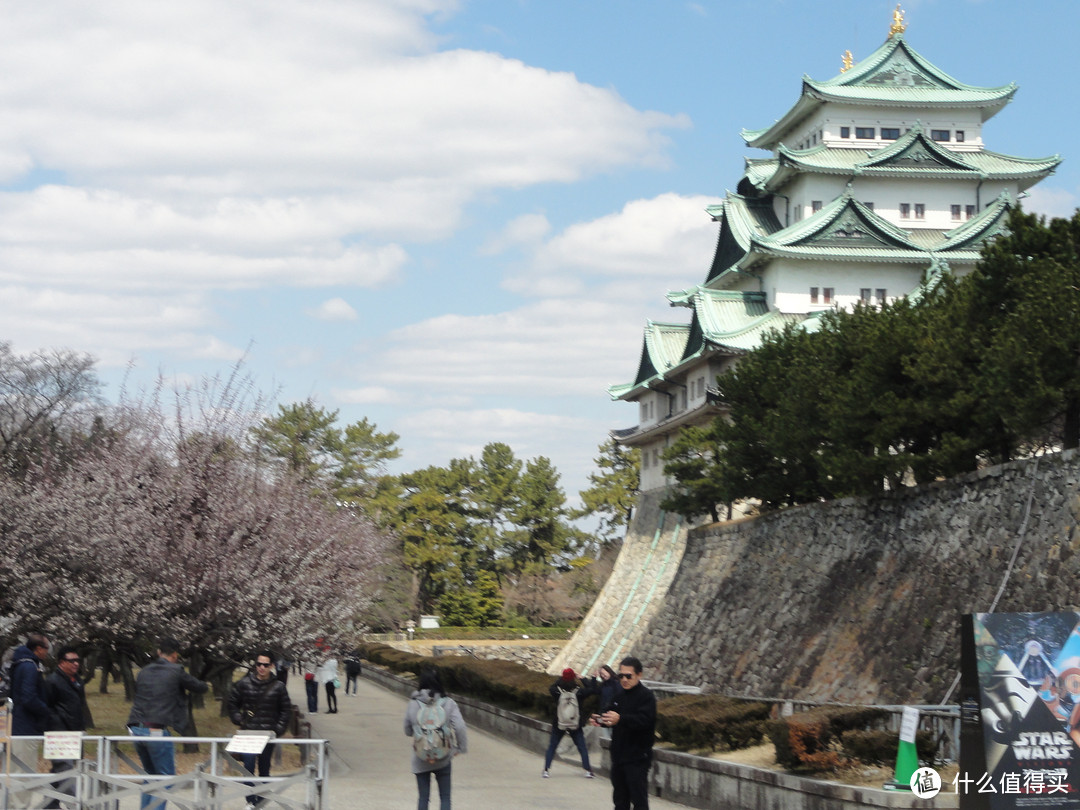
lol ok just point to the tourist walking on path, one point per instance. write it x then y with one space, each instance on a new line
568 717
260 702
632 719
328 674
430 708
364 773
311 688
352 670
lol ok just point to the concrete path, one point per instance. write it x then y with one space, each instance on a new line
370 757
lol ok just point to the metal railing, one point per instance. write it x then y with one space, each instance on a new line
112 779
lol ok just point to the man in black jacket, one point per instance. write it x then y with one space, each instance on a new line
161 702
67 702
632 718
260 702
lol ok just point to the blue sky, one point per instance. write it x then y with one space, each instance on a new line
452 218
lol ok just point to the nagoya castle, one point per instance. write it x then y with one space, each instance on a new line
877 182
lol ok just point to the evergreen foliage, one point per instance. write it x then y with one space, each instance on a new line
976 371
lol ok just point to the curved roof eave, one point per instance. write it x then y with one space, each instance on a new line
856 86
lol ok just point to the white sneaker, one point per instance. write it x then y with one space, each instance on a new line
545 774
590 775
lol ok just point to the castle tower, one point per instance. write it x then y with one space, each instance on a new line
877 183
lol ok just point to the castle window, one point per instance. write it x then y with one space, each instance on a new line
845 132
920 211
813 295
865 133
939 134
815 206
954 210
645 459
880 295
864 295
869 205
890 133
959 136
827 294
905 210
969 211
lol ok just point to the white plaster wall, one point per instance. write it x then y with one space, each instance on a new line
652 466
887 193
789 282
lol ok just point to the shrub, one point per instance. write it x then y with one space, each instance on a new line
711 721
810 741
878 747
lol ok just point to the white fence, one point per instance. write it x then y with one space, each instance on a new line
113 779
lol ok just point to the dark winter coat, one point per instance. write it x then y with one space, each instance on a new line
30 715
161 695
67 700
568 686
633 736
260 705
606 689
352 666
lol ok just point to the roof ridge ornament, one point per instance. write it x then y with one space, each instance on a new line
846 61
898 25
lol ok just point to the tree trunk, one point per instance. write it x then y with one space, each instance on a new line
128 677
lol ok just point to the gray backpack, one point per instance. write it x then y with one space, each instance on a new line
568 712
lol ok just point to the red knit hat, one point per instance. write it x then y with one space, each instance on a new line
568 674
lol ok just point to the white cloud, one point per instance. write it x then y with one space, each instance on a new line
526 230
333 309
669 234
582 331
199 147
1051 202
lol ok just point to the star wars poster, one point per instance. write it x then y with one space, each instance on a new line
1027 684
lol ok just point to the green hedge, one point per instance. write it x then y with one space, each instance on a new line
686 721
712 721
879 747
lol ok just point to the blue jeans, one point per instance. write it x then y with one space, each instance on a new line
263 762
577 735
156 758
423 785
312 689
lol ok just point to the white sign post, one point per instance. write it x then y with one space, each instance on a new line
63 745
249 742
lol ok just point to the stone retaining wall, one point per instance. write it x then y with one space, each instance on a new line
859 600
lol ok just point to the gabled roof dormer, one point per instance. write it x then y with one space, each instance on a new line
895 75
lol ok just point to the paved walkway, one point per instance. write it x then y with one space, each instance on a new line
370 758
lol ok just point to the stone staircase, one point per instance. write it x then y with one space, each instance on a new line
647 563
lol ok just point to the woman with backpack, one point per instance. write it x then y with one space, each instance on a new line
569 718
434 722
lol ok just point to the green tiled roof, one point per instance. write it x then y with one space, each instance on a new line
733 322
845 230
662 348
912 155
895 75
